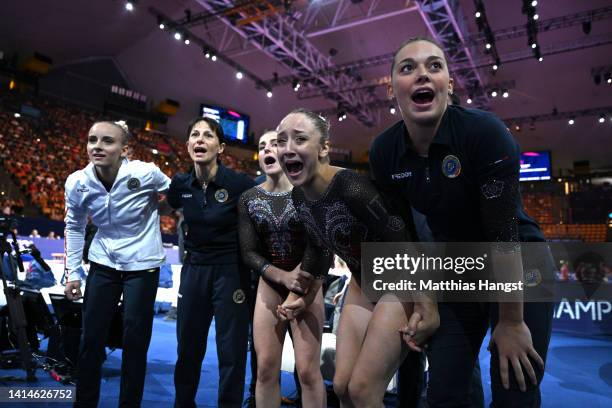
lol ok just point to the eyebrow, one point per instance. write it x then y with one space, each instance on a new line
429 59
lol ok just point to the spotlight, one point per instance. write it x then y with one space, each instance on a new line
469 100
129 6
517 128
187 42
535 16
534 45
602 118
392 110
213 57
571 121
296 85
239 75
17 115
540 59
488 46
478 14
505 93
608 78
495 67
494 93
534 3
162 26
177 36
206 54
269 93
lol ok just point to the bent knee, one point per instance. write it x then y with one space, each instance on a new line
360 392
267 370
310 376
341 388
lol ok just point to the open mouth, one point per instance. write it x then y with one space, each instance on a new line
199 149
269 160
294 167
423 96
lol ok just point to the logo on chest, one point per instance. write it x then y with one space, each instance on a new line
451 166
133 184
186 195
221 195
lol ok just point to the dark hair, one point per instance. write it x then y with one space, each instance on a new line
320 123
213 124
455 100
415 39
121 125
266 130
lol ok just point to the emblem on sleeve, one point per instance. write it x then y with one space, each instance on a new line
451 166
221 195
133 184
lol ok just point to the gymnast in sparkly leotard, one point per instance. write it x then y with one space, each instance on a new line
274 242
340 209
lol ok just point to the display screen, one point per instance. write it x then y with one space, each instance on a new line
235 125
535 166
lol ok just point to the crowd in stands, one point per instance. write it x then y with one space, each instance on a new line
11 206
40 153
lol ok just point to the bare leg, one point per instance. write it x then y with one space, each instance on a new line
381 354
352 327
268 336
307 330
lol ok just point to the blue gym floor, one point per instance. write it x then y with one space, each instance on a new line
578 373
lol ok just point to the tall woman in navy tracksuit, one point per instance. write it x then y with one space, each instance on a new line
460 168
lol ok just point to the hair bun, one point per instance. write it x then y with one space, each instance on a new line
123 125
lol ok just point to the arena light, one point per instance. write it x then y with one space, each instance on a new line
488 46
392 110
469 100
571 122
17 115
213 57
162 26
269 93
129 6
535 16
187 42
505 93
534 3
239 75
478 14
177 36
495 67
296 85
494 93
602 118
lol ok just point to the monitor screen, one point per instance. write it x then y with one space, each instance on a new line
235 125
535 166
